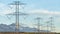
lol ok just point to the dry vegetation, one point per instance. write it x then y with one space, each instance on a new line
24 33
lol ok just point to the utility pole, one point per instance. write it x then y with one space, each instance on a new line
17 13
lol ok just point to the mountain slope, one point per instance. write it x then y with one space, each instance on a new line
11 28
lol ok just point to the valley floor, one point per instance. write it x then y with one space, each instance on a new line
25 33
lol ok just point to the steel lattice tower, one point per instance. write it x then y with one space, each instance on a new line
17 13
38 24
52 25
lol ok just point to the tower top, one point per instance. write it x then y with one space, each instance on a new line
17 3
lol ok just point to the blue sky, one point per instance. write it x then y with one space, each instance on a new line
36 8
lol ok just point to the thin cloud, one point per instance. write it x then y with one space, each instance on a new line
4 9
39 11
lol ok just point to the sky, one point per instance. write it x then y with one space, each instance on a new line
35 8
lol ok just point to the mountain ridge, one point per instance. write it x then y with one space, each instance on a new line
11 28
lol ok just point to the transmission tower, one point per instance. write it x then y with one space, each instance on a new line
38 24
17 13
47 26
52 24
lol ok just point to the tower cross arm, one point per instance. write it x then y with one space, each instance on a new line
18 14
17 3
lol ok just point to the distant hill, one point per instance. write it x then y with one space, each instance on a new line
11 28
